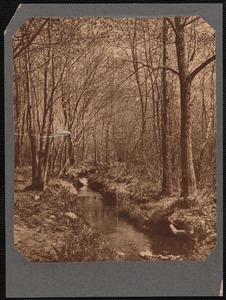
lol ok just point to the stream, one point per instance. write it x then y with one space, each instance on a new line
117 230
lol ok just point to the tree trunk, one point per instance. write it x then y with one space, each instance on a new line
71 154
188 183
47 119
208 130
166 182
107 143
32 122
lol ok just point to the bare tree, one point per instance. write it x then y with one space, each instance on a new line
188 184
166 180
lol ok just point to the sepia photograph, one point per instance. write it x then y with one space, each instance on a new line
114 139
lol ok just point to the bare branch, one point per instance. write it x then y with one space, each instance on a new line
172 24
193 20
162 68
200 67
23 35
31 40
157 68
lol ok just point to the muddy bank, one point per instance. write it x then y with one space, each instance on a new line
192 223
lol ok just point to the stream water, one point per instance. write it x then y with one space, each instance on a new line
120 232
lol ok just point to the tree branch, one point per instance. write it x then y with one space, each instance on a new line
200 67
23 35
152 68
31 40
172 24
164 68
159 68
185 24
176 231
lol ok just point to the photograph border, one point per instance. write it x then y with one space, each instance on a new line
109 279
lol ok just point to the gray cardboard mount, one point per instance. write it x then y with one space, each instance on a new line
25 279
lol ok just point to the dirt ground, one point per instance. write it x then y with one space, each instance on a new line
36 221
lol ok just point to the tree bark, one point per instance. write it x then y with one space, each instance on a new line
32 122
71 154
49 80
208 130
188 183
166 182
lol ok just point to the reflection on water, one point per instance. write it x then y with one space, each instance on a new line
117 230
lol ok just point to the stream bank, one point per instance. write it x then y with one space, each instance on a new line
48 226
51 226
190 225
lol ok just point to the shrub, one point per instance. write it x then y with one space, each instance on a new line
82 244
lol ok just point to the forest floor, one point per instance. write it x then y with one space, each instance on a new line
48 226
